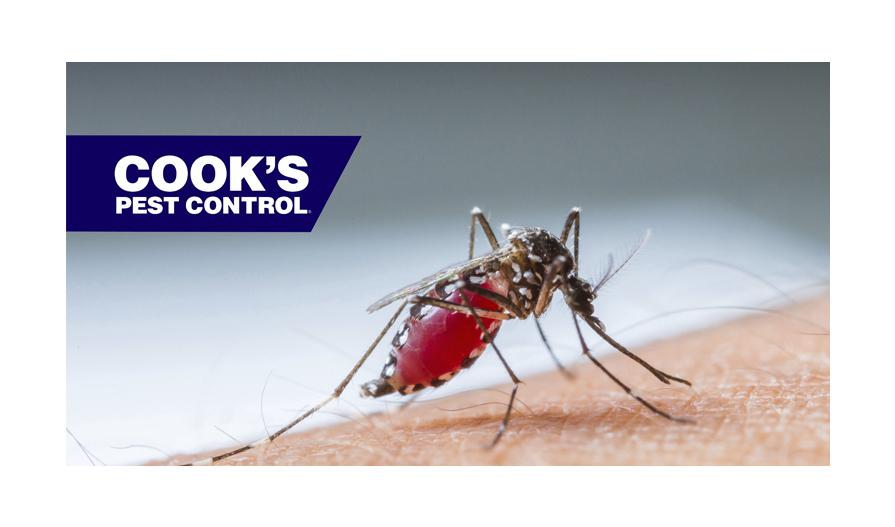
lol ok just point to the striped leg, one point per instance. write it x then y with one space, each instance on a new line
574 218
508 305
460 308
586 351
479 216
516 382
566 373
335 395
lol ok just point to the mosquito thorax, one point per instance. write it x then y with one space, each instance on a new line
541 247
540 261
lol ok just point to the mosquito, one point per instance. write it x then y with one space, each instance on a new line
455 315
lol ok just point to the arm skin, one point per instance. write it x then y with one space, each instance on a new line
761 396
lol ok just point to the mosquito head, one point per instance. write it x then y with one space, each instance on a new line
579 295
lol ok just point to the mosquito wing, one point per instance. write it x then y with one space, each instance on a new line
453 271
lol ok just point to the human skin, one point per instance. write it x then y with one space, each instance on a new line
760 396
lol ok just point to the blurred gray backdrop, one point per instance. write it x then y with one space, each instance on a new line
439 136
173 335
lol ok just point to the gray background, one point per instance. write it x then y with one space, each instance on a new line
436 136
172 335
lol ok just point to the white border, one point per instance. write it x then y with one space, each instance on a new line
40 38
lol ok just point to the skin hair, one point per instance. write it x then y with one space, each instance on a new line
761 396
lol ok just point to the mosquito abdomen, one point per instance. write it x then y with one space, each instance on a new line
434 344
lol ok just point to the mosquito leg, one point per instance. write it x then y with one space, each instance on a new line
516 382
507 304
499 299
335 395
506 418
623 386
478 215
574 217
562 369
459 308
661 375
546 288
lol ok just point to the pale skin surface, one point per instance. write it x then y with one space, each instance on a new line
761 396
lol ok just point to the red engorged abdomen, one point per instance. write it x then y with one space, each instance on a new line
439 343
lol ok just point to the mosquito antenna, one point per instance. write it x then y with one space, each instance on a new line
606 272
610 272
617 381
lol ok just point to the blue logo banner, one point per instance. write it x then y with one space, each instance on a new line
201 183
